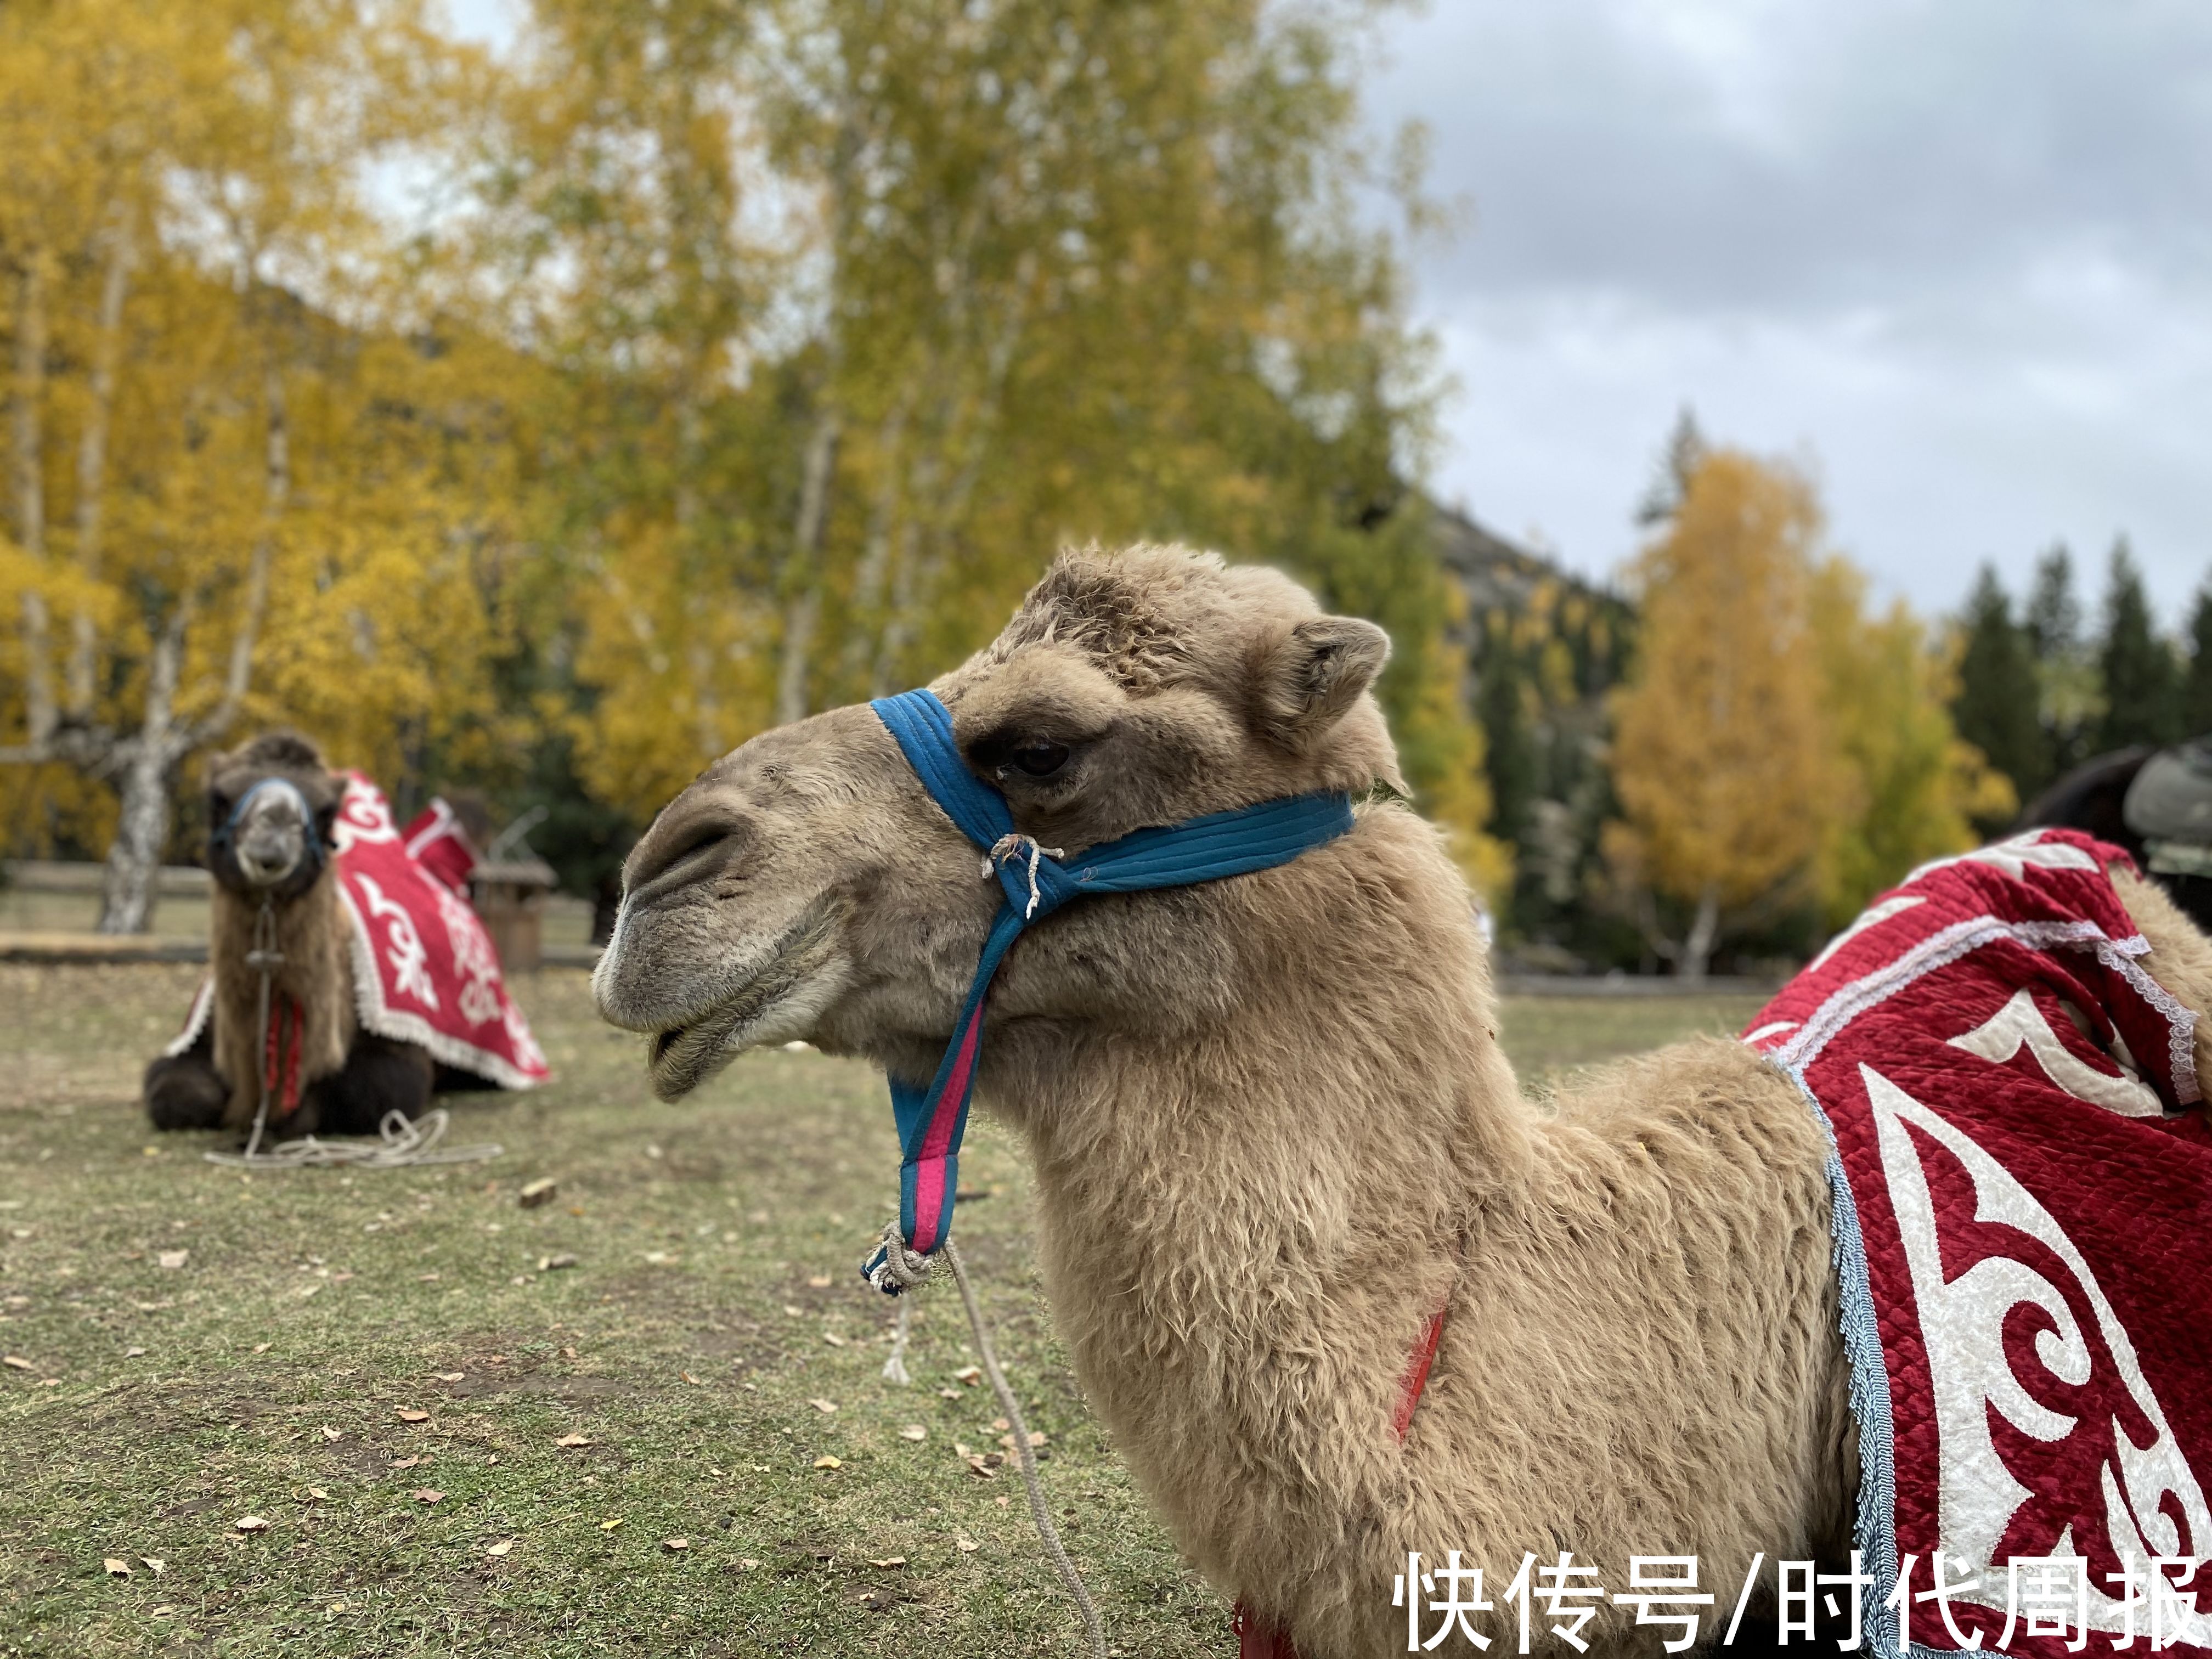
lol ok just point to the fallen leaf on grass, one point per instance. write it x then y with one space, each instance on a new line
404 1462
408 1414
16 1362
890 1561
117 1568
828 1463
163 1611
674 1545
965 1545
134 1353
574 1440
450 1376
692 1380
746 1563
541 1191
500 1547
330 1433
833 1339
971 1375
251 1523
948 1394
425 1495
609 1526
317 1495
820 1404
157 1568
261 1347
661 1258
914 1431
174 1258
548 1264
819 1281
796 1313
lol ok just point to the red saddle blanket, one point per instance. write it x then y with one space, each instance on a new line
2023 1233
424 969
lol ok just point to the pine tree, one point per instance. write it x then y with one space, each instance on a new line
1509 748
2142 692
2067 699
1670 484
1995 707
2197 686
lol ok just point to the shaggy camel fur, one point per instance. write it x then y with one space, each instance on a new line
1272 1124
349 1079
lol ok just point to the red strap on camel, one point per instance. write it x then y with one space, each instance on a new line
1257 1641
280 1061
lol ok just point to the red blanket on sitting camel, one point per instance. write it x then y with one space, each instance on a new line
2023 1223
424 969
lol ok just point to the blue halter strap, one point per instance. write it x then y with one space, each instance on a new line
1035 883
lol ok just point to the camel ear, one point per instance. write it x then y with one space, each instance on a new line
1316 672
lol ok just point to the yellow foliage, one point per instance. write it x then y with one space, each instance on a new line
1719 753
1774 739
1912 786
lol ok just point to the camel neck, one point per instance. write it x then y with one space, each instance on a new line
1332 1117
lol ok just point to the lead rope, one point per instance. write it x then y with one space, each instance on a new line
398 1143
904 1268
1046 1531
268 958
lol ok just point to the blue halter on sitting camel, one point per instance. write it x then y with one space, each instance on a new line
931 1120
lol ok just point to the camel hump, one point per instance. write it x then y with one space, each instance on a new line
283 747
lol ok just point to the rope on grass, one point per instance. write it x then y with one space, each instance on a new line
1049 1533
397 1144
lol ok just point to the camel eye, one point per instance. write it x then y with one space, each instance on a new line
1040 760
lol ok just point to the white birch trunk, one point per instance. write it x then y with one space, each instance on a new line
1705 933
803 607
129 887
92 468
29 481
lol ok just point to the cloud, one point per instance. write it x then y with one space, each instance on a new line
1956 249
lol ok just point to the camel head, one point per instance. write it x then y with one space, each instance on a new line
806 886
270 807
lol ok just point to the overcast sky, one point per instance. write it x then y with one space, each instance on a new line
1951 252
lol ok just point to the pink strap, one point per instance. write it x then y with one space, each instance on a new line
1257 1641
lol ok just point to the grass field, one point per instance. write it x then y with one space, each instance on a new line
382 1366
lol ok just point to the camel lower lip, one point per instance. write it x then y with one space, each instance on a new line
684 1056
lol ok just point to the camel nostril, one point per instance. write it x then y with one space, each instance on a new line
673 856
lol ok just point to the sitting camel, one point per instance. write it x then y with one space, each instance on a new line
274 803
1273 1127
383 985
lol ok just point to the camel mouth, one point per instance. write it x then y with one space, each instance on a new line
786 988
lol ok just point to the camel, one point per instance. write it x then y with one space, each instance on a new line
1273 1127
276 850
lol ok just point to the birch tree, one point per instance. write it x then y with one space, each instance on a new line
184 219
